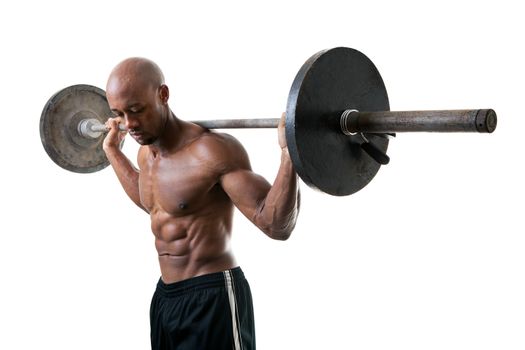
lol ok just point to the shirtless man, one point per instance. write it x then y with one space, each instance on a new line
189 180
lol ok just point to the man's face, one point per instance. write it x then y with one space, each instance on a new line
140 109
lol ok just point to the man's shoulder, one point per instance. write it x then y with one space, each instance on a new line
220 148
218 141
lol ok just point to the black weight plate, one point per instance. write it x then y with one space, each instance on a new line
59 128
328 83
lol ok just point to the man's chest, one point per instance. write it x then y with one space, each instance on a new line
176 185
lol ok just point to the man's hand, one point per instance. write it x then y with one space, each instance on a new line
114 136
282 134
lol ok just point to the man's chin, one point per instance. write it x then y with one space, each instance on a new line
144 141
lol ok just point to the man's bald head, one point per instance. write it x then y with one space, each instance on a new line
136 73
136 93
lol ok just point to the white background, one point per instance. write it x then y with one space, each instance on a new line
430 255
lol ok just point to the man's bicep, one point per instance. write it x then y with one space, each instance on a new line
246 189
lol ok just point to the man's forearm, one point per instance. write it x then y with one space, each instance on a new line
278 214
127 174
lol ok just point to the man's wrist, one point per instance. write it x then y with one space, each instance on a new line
285 154
111 150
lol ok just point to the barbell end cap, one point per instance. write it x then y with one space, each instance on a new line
486 121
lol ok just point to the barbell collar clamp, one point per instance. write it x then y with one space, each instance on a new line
93 128
346 123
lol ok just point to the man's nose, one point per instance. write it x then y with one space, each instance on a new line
131 123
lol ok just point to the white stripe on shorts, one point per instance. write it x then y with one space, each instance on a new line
233 307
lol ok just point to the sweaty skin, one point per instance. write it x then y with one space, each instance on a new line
190 179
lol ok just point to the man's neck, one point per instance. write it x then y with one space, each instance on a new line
170 136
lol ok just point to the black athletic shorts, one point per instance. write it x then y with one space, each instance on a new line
213 311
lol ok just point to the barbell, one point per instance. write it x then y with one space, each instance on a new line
338 123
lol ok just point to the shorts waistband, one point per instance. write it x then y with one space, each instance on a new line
212 280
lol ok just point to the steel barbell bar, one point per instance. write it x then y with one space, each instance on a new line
353 121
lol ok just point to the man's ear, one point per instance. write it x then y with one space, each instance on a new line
164 93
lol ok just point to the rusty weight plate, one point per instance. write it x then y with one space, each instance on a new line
328 83
59 128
